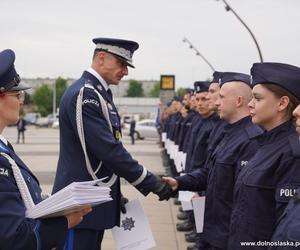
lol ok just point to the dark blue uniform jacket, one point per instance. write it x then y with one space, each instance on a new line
218 177
265 185
196 127
102 145
185 126
186 141
199 156
16 231
288 228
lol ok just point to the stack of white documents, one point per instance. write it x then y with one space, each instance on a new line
71 198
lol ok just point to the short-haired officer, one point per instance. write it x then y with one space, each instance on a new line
90 146
201 89
222 167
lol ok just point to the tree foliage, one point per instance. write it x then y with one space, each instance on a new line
43 96
61 86
155 90
135 89
180 92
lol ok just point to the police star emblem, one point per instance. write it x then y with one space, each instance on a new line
128 224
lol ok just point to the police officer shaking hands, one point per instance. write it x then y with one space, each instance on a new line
90 141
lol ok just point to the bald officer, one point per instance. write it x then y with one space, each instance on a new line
90 146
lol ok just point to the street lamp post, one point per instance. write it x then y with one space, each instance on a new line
54 100
228 8
185 40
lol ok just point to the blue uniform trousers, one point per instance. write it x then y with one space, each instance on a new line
82 239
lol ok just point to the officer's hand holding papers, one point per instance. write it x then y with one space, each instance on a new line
73 198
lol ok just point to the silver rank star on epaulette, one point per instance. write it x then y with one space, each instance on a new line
99 87
88 81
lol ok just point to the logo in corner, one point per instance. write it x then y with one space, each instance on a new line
128 223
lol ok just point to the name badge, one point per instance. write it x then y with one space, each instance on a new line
3 171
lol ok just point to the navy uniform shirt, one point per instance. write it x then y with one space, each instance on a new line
232 153
265 185
192 129
200 153
102 145
173 125
288 229
16 231
215 136
192 143
186 125
178 128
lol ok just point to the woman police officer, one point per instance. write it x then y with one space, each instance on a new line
287 233
17 231
266 184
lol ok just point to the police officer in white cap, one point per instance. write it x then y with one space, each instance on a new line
90 141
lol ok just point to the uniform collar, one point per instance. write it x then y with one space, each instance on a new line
3 140
213 117
275 134
99 77
240 123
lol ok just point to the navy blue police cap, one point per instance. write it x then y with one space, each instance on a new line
9 78
178 98
233 77
217 76
189 91
123 49
284 75
201 86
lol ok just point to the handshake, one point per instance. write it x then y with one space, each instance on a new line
165 188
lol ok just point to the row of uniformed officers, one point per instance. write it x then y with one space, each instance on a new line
234 140
242 150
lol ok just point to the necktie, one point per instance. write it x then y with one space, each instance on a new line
110 94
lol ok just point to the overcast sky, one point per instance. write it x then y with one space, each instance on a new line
53 38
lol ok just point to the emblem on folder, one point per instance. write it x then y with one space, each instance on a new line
128 223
